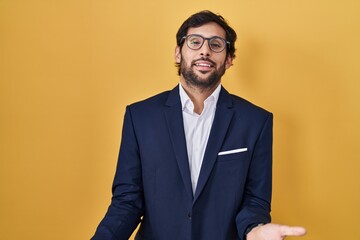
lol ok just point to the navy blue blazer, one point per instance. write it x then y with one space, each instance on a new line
152 183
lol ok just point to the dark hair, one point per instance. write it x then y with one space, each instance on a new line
201 18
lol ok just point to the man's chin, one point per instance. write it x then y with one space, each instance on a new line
201 79
203 83
203 76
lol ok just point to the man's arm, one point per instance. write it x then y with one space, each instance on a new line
255 212
256 202
126 207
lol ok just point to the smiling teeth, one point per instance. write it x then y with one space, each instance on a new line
203 65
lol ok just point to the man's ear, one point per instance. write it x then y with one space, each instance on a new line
228 62
177 54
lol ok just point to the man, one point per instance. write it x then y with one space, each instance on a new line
195 162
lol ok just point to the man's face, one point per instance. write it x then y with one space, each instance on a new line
203 68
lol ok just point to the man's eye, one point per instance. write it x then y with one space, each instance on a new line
195 42
215 45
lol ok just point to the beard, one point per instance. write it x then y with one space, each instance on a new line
203 83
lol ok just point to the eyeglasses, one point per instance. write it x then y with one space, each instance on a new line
195 42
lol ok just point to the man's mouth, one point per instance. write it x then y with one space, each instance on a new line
203 65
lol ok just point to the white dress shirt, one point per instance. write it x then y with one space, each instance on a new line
197 130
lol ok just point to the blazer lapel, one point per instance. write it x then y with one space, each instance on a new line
174 120
222 119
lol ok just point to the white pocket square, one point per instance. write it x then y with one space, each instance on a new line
233 151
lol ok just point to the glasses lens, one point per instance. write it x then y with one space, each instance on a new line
217 44
194 42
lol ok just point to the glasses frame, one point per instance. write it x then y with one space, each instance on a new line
227 43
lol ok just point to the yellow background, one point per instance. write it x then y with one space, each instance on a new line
68 68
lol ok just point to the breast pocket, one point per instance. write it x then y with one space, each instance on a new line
233 156
231 168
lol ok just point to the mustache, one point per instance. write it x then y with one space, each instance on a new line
203 59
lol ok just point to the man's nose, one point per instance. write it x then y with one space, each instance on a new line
205 49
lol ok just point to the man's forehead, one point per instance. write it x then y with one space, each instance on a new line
210 29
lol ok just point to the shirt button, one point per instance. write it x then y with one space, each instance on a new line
189 215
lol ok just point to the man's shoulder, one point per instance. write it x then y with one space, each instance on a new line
239 101
251 110
152 102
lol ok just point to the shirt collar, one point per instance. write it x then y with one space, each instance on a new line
187 103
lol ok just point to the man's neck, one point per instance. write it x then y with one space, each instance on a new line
197 94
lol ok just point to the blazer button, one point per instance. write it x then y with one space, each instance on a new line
189 215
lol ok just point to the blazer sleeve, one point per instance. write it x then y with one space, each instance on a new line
256 203
126 208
